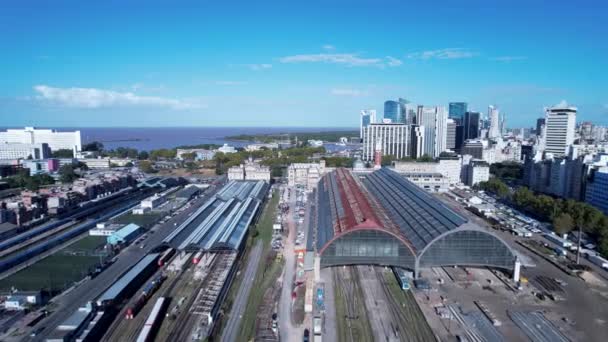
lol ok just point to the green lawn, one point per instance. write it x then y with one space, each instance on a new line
59 270
146 220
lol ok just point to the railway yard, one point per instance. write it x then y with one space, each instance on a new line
192 277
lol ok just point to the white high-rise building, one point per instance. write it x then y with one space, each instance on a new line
54 139
435 123
368 116
394 139
451 135
560 122
494 131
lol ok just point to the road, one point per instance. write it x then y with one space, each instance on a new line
240 302
69 302
288 331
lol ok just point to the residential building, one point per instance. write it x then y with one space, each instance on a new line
494 131
596 193
477 171
560 124
416 141
306 175
259 146
434 121
448 167
54 139
450 143
199 153
12 150
41 166
394 139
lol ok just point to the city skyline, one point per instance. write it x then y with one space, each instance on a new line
182 65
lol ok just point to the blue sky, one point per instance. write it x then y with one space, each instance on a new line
304 63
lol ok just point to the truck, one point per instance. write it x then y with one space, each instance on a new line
317 326
560 251
598 260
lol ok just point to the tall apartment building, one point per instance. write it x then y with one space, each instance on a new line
560 124
12 150
596 193
394 140
450 142
477 171
471 125
434 120
368 116
56 140
305 174
494 131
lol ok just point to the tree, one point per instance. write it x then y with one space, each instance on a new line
93 146
63 153
142 155
563 224
191 166
146 166
189 156
67 174
496 186
425 159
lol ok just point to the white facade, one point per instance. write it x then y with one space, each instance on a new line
494 131
560 122
432 182
368 117
305 174
257 147
11 150
449 169
394 139
56 140
477 171
227 149
249 171
435 123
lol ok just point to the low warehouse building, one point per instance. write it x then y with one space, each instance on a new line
125 235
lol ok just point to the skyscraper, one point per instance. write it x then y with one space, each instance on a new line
368 116
450 143
560 122
540 122
457 110
494 130
392 111
434 121
471 125
406 111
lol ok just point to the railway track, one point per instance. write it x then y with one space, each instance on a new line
358 328
411 324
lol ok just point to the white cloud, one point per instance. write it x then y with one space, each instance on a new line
258 67
449 53
348 92
562 103
98 98
348 59
230 83
328 47
392 61
508 59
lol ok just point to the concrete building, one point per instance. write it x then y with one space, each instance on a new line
40 166
449 168
11 150
394 139
431 182
306 175
368 117
494 131
124 235
477 171
249 171
54 139
227 149
199 153
596 193
434 121
259 146
450 143
560 122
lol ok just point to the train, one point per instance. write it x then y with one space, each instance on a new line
197 257
165 257
598 260
402 277
153 321
147 292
